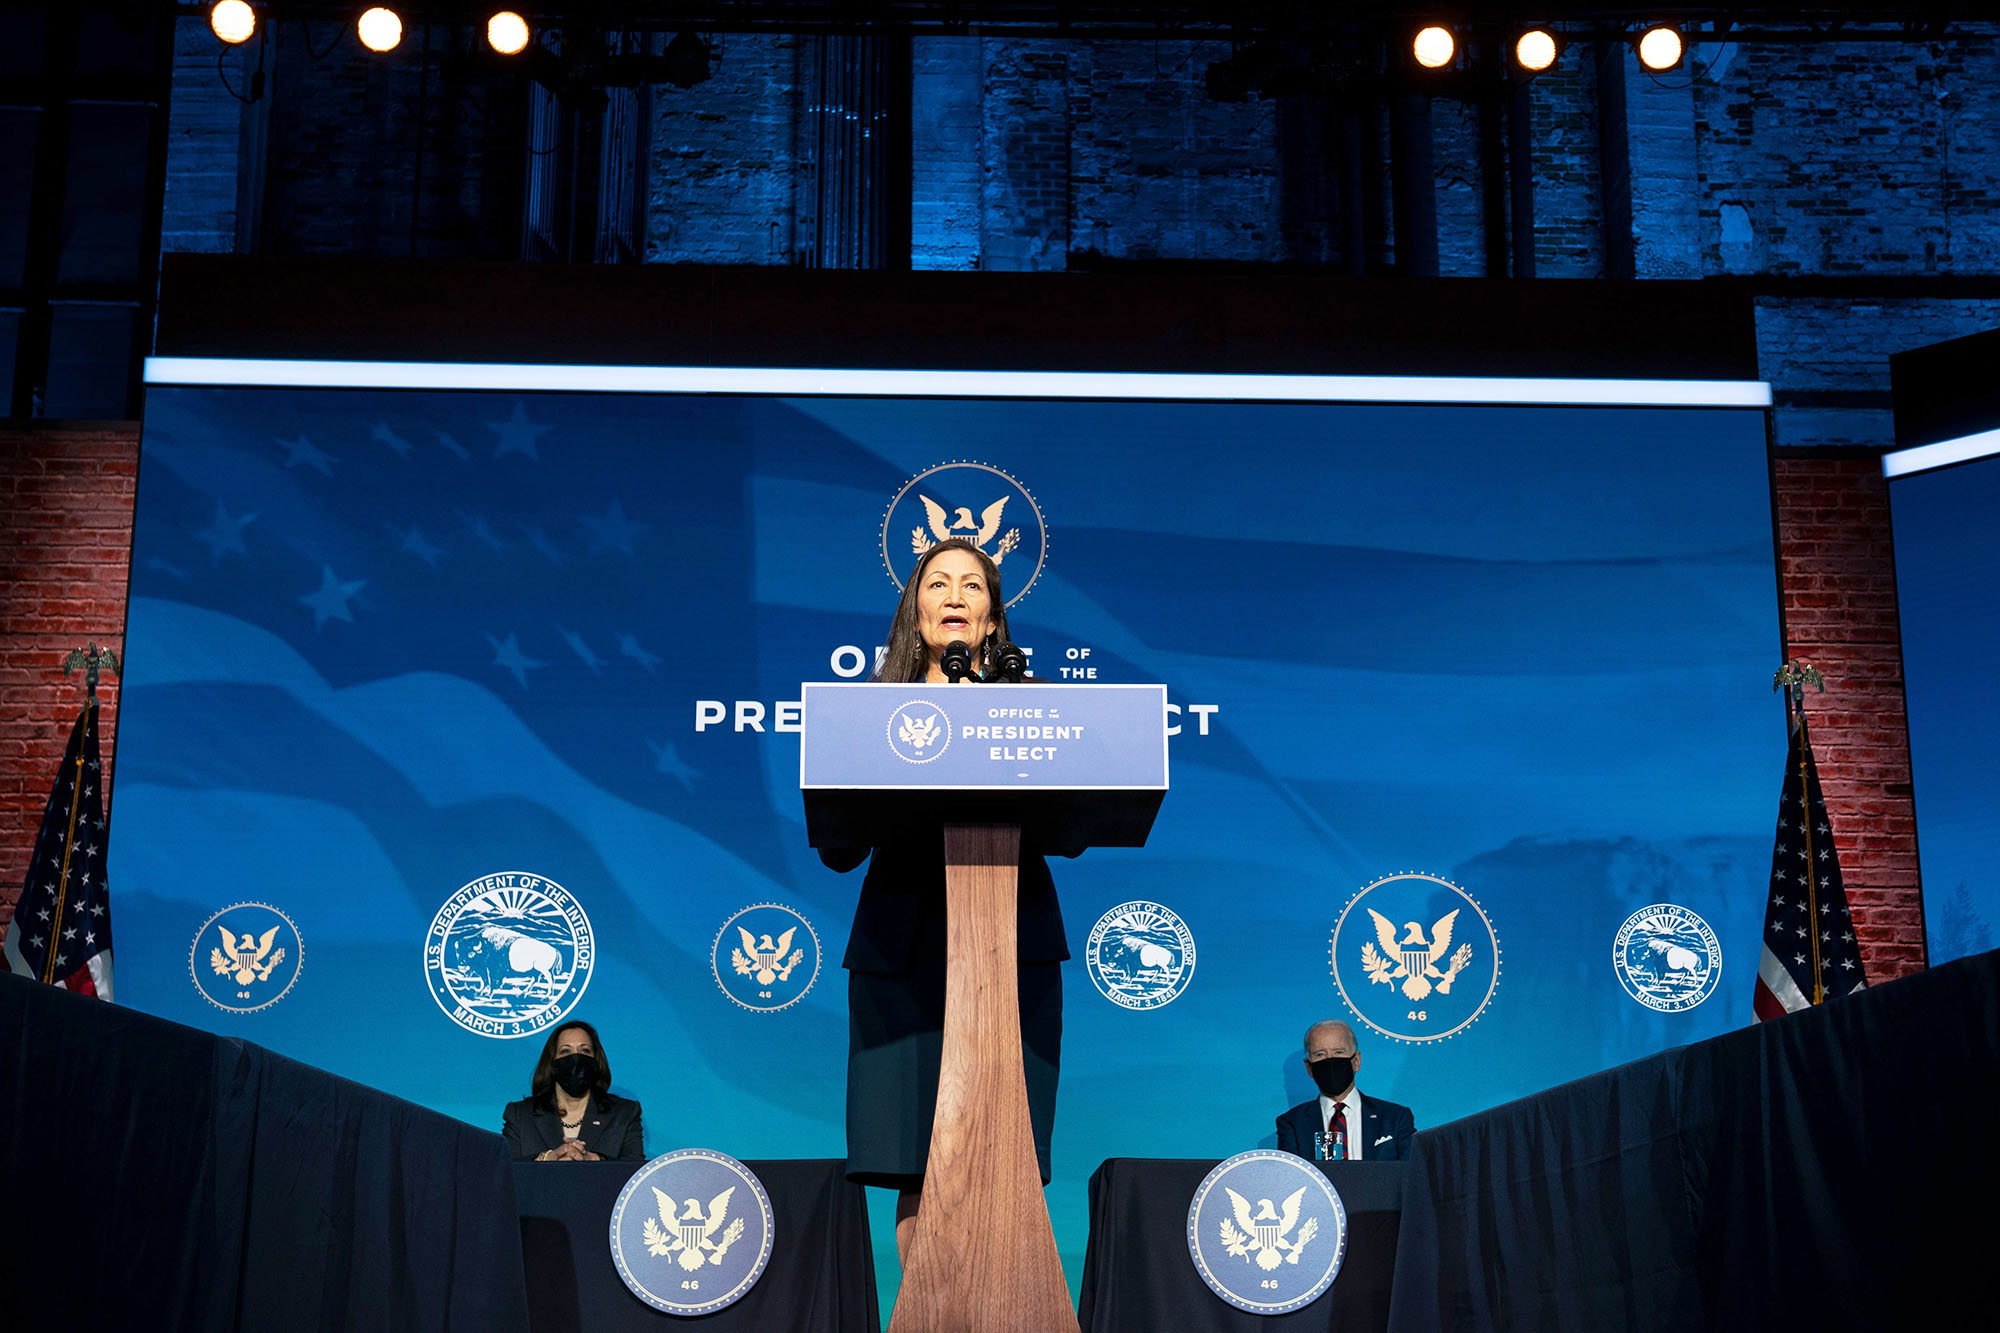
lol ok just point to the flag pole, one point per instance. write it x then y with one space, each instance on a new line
1793 677
89 659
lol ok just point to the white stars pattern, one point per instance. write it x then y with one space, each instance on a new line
517 434
582 650
508 656
1822 901
613 529
629 646
668 761
224 534
382 434
329 601
414 543
65 890
301 452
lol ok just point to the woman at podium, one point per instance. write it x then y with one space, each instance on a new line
896 951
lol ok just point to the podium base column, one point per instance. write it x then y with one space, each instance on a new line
983 1255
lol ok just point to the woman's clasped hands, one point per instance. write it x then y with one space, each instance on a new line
569 1150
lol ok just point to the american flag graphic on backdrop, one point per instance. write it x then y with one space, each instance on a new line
382 644
61 933
1806 921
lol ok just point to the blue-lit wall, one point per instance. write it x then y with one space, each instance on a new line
382 645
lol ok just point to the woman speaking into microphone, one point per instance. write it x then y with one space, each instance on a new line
950 625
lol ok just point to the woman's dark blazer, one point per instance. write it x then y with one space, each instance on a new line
611 1129
904 893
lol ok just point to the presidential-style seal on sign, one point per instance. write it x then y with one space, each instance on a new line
1667 958
691 1232
978 502
1415 957
246 957
918 731
1140 955
1267 1231
508 954
765 957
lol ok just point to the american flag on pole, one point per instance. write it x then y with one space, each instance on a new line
61 932
1808 932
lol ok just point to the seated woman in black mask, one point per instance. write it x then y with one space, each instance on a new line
570 1114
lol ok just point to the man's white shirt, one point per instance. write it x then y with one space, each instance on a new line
1351 1099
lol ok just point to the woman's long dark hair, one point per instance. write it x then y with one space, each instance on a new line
543 1085
906 658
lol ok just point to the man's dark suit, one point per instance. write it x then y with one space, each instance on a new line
611 1129
1385 1129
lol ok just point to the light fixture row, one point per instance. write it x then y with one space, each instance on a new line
379 28
1659 47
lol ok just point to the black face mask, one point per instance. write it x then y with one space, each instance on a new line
575 1073
1334 1075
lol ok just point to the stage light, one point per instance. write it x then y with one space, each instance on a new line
1660 48
1535 50
1434 47
507 33
233 21
380 30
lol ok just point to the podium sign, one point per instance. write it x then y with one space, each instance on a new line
1075 765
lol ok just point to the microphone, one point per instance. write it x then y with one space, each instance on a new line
1010 662
956 661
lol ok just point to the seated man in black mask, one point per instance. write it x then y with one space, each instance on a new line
1341 1124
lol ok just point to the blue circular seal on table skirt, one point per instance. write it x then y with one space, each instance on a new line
1267 1231
691 1232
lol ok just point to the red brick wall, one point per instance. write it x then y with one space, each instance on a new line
66 514
65 551
1838 579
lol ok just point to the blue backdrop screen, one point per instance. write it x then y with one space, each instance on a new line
1948 595
387 645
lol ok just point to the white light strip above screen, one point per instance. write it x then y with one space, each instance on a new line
789 382
1924 457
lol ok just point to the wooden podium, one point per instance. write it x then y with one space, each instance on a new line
983 1256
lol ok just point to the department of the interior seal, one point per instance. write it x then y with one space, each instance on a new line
1415 957
691 1232
975 501
1267 1231
1140 955
1667 958
508 954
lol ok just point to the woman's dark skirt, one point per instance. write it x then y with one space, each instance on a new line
895 1043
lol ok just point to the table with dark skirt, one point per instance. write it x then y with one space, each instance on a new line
821 1277
1137 1273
